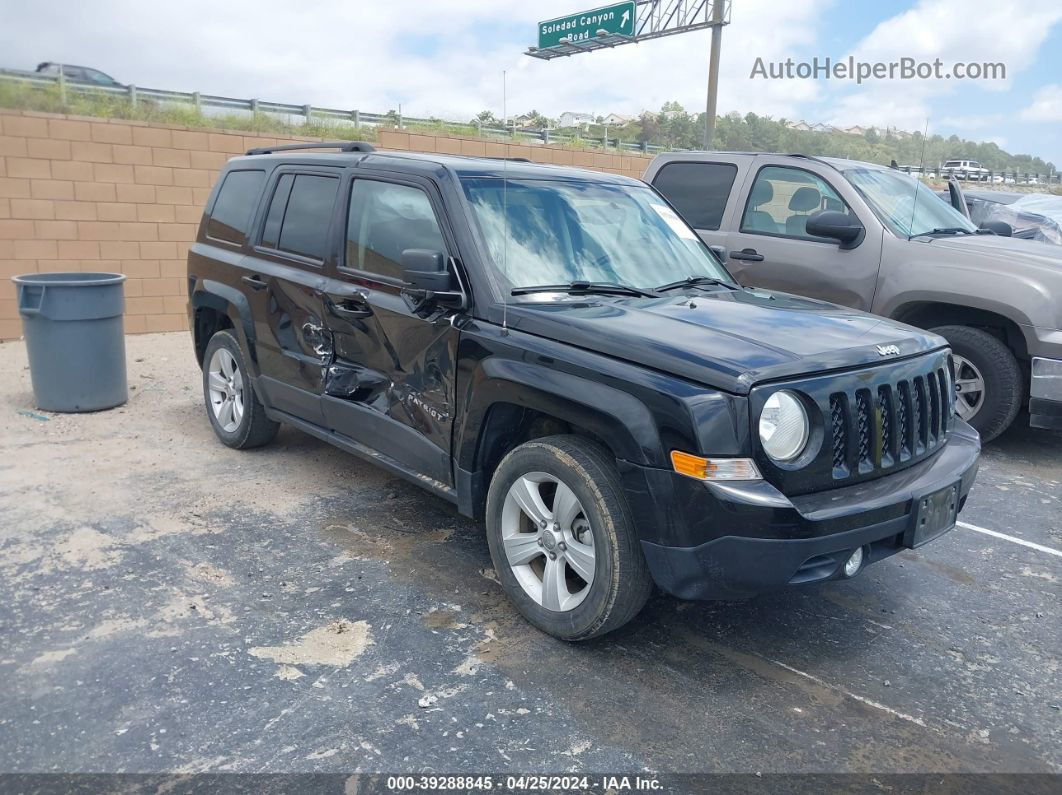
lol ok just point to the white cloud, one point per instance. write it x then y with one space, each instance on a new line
1046 105
954 31
372 55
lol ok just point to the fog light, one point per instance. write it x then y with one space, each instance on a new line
854 563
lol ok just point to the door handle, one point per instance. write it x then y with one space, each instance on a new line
255 282
349 307
747 254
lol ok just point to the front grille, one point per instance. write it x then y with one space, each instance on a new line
838 422
886 412
900 421
863 427
903 430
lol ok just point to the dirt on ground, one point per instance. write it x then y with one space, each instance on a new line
168 604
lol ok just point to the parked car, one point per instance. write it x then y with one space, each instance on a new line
555 351
875 239
79 74
965 169
1028 216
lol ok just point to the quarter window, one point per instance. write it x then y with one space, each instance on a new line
235 205
782 199
699 191
385 219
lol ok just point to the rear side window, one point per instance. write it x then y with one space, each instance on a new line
300 214
234 208
698 190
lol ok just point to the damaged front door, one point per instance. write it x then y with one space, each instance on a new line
286 279
391 382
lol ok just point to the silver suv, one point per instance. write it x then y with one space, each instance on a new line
875 239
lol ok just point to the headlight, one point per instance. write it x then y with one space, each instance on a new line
783 426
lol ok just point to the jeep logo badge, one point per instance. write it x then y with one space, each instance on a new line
888 350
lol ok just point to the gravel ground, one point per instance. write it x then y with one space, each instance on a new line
169 604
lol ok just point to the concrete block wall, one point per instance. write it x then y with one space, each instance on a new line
87 194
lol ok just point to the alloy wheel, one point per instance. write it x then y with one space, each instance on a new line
225 390
969 388
548 542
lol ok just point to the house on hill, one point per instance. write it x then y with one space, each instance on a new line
575 119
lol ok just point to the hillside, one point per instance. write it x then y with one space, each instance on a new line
674 128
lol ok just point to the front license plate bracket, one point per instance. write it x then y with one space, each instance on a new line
934 515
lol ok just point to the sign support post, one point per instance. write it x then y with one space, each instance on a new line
713 73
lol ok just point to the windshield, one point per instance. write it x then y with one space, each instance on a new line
551 232
904 204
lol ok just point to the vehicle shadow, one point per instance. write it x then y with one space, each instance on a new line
1037 446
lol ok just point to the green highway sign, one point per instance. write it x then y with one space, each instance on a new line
617 18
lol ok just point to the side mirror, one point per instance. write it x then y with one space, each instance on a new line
719 251
426 270
430 283
1001 228
837 226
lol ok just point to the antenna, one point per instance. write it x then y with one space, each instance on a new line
921 170
505 218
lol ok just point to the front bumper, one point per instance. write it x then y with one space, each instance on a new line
1045 393
767 540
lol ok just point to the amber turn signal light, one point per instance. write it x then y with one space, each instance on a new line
694 466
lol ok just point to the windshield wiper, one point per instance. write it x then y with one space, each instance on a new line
602 288
946 230
693 281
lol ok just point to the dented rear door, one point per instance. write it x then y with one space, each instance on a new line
286 274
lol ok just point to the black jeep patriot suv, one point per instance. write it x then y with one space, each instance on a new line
556 351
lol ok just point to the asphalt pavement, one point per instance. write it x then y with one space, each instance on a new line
170 605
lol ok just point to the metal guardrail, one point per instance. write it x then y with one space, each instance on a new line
1004 177
356 118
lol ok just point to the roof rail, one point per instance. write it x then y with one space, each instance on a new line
813 157
342 146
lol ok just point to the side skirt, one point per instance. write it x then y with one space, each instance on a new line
349 445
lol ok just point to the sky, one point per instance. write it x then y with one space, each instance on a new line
445 58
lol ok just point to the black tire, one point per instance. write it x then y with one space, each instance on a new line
255 428
621 580
1004 391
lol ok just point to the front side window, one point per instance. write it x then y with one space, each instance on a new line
541 232
384 220
782 199
235 205
99 77
906 206
699 191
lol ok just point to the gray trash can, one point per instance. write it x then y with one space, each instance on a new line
75 339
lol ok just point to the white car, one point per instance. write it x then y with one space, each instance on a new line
965 169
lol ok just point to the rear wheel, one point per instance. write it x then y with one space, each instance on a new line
562 538
988 384
238 418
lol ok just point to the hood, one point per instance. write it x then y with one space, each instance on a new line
1009 249
728 339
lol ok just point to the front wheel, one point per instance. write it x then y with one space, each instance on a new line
562 538
988 384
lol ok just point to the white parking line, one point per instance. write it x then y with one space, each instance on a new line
1005 537
850 694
